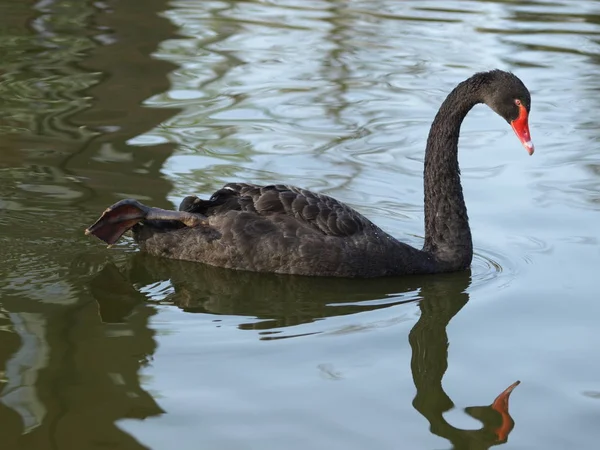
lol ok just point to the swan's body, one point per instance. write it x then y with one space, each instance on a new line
282 229
285 229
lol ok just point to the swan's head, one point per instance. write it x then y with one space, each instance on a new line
508 96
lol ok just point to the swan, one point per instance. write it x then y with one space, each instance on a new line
289 230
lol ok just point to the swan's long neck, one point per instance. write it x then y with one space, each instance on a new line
447 233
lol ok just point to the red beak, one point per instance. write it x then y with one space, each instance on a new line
521 127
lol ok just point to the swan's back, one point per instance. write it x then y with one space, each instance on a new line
318 212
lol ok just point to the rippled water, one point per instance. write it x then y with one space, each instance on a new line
109 348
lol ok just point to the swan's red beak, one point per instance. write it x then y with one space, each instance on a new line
521 127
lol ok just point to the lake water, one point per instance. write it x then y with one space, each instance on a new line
157 100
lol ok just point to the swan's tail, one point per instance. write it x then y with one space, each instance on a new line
123 215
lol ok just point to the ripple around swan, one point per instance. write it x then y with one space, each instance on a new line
491 267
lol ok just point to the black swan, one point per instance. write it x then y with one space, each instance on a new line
289 230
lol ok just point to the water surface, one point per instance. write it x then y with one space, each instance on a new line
109 348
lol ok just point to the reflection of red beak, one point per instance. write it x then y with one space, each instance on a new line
501 402
521 127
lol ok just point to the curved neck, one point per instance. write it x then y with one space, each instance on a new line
447 233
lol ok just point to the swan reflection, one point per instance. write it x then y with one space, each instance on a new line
278 302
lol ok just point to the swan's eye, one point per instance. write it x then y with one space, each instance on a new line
517 102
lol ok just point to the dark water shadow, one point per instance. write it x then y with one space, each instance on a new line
78 74
283 301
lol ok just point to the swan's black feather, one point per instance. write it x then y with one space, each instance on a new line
308 209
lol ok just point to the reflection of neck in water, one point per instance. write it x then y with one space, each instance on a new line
443 298
284 300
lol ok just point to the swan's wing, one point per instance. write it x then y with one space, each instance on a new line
318 211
